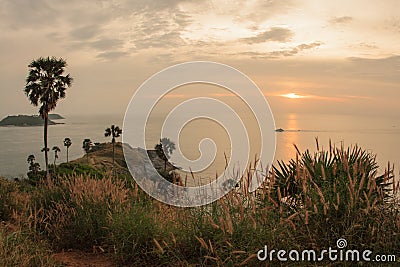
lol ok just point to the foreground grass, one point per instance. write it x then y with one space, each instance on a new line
18 248
308 203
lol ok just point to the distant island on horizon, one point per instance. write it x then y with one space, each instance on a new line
29 120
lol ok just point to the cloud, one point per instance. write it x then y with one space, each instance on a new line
387 68
259 11
367 46
85 32
341 20
393 24
283 53
106 43
27 14
110 55
275 34
159 30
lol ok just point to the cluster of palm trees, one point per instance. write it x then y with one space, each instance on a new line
34 167
113 131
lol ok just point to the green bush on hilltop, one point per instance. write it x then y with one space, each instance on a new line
73 168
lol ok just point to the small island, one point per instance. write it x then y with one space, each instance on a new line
28 120
55 116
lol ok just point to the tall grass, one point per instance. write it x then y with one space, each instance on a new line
19 248
307 203
76 211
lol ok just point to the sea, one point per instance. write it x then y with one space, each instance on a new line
378 135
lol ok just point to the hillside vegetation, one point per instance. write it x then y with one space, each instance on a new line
307 203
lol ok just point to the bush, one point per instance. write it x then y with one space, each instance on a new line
335 194
75 169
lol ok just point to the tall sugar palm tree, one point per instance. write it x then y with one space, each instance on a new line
67 144
45 85
114 132
56 150
86 145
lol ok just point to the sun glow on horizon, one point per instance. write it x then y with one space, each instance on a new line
293 96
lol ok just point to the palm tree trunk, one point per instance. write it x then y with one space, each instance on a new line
55 165
67 155
46 159
113 171
113 154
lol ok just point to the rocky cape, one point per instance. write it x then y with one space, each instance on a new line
100 157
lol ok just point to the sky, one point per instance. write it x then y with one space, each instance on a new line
306 56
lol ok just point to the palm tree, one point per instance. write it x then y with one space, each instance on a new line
164 149
56 149
67 143
114 132
45 85
31 159
86 145
34 167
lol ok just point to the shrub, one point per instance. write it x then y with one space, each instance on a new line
334 194
75 169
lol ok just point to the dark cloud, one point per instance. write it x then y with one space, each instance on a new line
275 34
341 20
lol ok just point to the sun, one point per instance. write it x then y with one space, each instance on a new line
292 96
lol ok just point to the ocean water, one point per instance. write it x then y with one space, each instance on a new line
380 135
